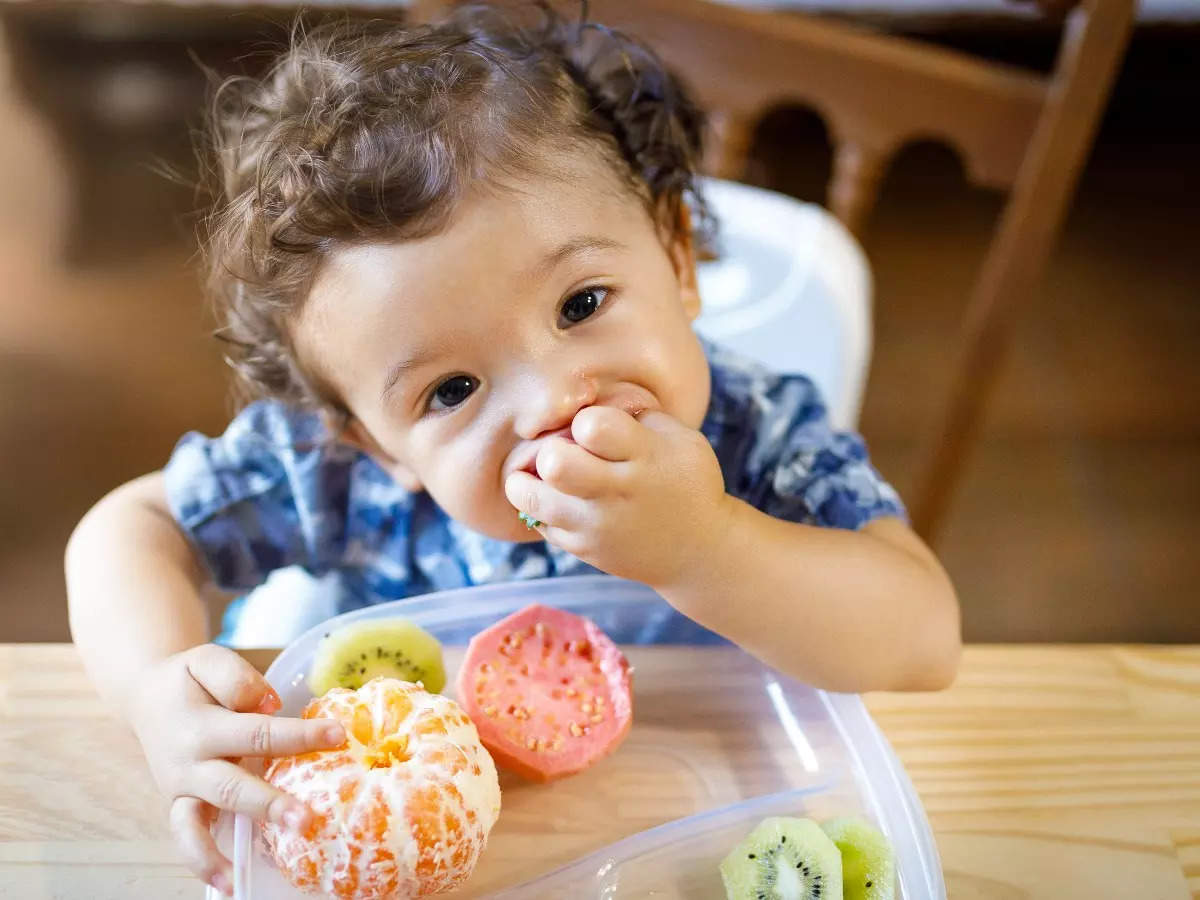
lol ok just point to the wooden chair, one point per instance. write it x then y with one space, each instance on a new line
1015 130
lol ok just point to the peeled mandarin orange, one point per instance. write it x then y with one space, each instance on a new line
403 809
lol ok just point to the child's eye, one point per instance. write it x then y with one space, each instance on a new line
583 304
453 391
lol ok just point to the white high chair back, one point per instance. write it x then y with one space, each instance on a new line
791 288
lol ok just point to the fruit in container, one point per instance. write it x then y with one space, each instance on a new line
352 655
402 810
868 862
783 859
549 691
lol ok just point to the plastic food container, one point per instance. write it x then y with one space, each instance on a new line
719 741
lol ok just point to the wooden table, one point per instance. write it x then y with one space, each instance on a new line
1047 772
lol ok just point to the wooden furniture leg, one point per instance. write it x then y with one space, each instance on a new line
1092 46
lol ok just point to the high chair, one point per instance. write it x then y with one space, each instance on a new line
791 288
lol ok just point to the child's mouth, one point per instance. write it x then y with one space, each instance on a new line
634 406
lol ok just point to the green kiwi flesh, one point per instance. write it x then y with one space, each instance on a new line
784 859
868 862
396 648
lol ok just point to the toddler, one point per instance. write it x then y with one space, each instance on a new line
455 265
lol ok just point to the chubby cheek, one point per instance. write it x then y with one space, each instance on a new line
465 482
685 378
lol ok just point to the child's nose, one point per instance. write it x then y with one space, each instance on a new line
554 402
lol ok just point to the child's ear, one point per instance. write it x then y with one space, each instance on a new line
356 435
682 250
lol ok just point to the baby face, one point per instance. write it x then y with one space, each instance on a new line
459 354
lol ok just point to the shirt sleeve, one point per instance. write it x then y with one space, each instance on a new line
795 466
270 492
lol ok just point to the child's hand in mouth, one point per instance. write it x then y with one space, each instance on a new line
531 466
639 497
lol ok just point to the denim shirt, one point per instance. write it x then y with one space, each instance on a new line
274 491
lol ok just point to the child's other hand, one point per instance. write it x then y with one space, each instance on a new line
639 498
195 714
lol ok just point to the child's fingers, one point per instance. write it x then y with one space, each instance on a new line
251 734
230 680
190 819
608 432
573 542
663 423
542 501
573 470
228 786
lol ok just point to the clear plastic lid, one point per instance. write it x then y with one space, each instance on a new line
719 741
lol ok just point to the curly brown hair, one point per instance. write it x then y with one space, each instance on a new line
370 130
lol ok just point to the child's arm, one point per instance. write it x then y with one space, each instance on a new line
845 610
137 615
134 588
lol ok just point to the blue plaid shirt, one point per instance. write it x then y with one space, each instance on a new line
273 491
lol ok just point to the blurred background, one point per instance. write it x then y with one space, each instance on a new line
1077 514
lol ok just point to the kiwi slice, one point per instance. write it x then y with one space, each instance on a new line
784 859
868 862
397 648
